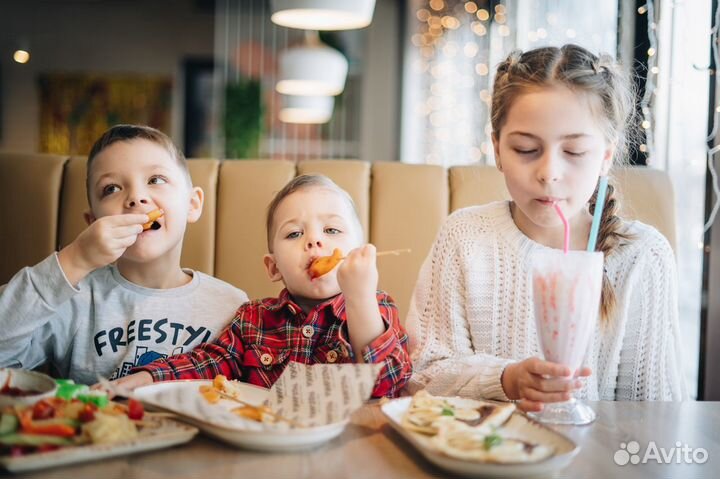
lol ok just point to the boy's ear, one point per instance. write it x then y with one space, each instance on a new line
197 200
89 217
496 148
271 268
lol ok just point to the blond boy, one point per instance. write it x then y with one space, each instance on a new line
339 317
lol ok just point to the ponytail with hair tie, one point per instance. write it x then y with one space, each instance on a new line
512 60
515 57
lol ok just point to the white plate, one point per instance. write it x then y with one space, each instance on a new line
519 425
184 399
168 433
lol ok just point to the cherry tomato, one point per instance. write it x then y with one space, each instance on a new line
136 411
43 409
87 413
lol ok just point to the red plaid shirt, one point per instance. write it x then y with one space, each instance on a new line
267 334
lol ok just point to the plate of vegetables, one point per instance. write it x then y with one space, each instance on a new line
81 426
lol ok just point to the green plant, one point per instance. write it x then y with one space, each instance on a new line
244 118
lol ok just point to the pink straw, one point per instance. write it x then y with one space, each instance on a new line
566 225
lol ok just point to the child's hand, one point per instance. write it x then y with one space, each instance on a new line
535 382
123 386
129 383
358 279
358 275
101 243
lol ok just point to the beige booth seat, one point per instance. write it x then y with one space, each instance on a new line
42 200
29 206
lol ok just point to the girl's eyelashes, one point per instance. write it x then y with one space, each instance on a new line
521 151
293 235
332 231
576 154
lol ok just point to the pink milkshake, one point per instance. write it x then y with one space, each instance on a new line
566 293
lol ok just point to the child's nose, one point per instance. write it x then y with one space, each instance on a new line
549 170
135 200
314 244
548 177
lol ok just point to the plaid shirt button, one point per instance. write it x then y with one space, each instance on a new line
266 359
308 331
332 356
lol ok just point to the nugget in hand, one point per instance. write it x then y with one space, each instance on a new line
153 216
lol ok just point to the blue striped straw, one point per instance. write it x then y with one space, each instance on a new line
599 205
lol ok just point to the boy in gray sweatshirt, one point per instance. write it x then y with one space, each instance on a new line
116 297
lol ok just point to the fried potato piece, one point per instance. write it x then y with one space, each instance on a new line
324 264
210 394
254 413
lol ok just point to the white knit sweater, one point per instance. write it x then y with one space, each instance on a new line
472 312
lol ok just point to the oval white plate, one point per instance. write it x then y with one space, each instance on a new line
519 425
184 399
167 433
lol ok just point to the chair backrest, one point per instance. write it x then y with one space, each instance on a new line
29 205
42 200
645 194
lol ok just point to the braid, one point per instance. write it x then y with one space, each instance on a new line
609 239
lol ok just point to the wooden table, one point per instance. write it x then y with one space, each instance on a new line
370 449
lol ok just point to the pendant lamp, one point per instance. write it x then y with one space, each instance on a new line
323 14
306 109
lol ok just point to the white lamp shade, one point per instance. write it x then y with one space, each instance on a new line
323 14
306 109
312 70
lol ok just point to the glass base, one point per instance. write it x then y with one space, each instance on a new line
572 412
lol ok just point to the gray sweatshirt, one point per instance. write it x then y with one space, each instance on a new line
107 325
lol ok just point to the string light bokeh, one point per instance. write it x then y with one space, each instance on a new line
455 48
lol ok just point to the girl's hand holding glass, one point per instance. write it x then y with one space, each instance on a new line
535 381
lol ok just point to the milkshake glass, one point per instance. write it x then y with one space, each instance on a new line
566 293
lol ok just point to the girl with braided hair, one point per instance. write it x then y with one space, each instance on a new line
560 119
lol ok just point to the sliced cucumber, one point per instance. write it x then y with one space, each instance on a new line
66 421
8 424
35 440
